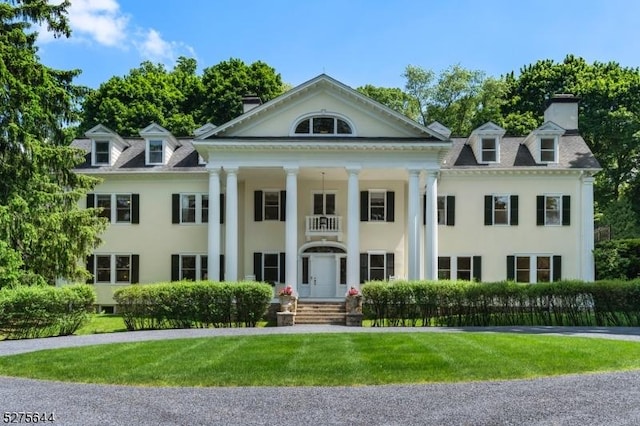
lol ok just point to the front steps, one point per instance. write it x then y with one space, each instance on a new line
321 313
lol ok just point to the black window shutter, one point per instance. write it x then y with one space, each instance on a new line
283 206
391 206
175 208
488 209
566 210
257 265
90 260
424 209
364 206
221 278
513 205
477 268
391 267
283 275
451 210
222 209
364 267
175 267
135 269
540 210
91 201
557 268
257 206
511 268
135 208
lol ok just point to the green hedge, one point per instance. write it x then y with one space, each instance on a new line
34 311
463 303
189 304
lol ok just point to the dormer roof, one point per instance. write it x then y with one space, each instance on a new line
103 132
156 131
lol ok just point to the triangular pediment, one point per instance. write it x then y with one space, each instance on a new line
490 128
154 130
549 127
101 131
321 96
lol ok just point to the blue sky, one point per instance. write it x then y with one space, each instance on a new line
355 41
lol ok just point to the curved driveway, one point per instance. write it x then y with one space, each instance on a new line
594 399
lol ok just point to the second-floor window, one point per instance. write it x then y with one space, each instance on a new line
553 210
377 206
501 210
117 208
193 208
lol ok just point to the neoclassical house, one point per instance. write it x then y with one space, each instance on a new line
323 188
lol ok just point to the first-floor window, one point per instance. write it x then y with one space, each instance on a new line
113 268
466 268
271 267
375 266
190 267
534 268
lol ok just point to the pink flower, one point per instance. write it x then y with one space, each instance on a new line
287 291
353 291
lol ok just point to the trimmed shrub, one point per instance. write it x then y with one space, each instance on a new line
617 259
187 304
462 303
35 311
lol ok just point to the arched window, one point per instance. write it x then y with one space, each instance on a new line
323 125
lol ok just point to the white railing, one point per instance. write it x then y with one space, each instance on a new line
323 226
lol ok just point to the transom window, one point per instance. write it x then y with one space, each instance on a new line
323 125
547 150
102 152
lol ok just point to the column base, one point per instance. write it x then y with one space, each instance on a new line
286 319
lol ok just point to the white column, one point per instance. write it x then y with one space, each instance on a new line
353 228
231 219
431 227
413 225
291 228
213 252
587 231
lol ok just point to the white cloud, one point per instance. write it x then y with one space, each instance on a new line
100 20
154 48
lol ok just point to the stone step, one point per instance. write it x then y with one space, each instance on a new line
320 313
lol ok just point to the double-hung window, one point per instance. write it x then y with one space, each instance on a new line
376 266
155 153
553 210
113 268
190 267
532 268
377 206
548 150
489 150
269 267
501 209
117 208
269 205
460 268
102 153
193 208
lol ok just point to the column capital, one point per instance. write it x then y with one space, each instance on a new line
291 170
432 173
414 172
353 170
231 169
214 170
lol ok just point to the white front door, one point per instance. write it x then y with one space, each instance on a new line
323 275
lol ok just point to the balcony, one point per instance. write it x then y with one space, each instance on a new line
323 226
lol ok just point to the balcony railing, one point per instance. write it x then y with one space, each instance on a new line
323 226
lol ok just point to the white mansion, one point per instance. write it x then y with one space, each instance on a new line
323 188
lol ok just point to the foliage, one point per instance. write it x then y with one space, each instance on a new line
621 218
193 304
43 311
609 113
617 259
460 99
463 303
393 98
227 82
147 94
39 215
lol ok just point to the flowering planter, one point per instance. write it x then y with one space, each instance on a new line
285 303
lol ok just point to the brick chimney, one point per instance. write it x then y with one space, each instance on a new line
250 101
562 109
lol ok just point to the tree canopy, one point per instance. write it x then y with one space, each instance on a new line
179 100
43 233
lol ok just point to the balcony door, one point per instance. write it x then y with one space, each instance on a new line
324 203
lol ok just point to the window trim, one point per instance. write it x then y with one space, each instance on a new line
113 268
555 267
322 114
555 149
201 216
496 149
389 269
198 257
475 273
511 210
258 266
134 206
163 146
94 153
324 201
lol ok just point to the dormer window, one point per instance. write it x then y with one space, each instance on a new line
323 125
155 151
489 150
102 151
548 150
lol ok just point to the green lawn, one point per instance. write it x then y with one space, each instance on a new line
327 359
102 323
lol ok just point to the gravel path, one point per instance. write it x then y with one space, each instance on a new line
595 399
